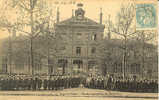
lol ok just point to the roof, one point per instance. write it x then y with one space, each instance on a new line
74 21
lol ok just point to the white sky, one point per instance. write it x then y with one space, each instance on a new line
91 7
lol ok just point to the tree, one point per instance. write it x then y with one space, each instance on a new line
124 27
112 55
46 44
26 11
143 37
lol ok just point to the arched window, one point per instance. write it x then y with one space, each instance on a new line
78 50
93 50
94 37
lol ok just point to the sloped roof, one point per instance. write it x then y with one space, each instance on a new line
80 22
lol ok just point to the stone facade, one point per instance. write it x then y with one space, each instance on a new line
78 41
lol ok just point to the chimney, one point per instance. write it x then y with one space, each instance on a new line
109 23
58 15
72 12
101 16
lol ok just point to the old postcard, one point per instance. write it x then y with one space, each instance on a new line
79 49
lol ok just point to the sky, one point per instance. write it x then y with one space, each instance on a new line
91 7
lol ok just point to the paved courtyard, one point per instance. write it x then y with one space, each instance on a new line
76 94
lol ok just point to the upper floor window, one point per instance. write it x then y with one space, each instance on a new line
94 37
78 50
79 35
93 50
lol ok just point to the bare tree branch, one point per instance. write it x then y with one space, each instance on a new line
23 5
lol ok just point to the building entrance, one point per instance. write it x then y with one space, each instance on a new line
62 63
77 65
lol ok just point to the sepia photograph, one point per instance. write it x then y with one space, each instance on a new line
79 49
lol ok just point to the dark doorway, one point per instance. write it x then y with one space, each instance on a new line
78 63
63 64
91 64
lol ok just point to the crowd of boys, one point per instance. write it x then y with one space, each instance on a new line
64 82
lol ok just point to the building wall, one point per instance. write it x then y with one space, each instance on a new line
69 38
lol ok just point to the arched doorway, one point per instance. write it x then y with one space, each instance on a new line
77 65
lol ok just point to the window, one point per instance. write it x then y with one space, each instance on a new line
79 35
135 68
78 62
62 62
91 64
93 50
78 50
94 37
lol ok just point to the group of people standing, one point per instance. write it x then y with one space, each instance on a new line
36 83
120 84
64 82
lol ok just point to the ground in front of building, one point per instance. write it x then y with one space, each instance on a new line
76 94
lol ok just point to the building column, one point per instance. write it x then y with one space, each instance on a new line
55 66
85 65
67 67
70 66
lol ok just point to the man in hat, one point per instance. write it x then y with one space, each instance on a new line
39 83
45 85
